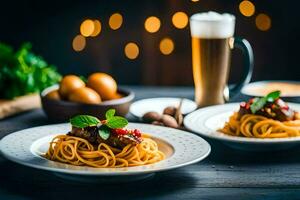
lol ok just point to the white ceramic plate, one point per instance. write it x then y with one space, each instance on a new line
139 108
207 121
26 147
262 88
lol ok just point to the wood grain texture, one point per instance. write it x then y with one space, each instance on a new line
225 174
19 104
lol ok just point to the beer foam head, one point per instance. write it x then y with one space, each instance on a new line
212 25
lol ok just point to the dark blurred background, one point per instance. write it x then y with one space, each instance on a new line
51 27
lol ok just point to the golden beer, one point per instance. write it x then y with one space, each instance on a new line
211 33
211 59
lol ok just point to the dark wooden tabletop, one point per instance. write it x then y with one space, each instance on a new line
225 174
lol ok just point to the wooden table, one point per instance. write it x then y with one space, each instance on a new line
225 174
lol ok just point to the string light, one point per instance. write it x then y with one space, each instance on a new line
152 24
131 50
180 20
166 46
78 43
115 21
263 22
97 28
247 8
87 27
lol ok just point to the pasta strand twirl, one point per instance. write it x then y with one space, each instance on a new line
251 125
78 151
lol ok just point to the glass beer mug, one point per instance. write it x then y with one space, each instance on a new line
212 42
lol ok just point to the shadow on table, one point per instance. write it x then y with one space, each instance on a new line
222 153
38 184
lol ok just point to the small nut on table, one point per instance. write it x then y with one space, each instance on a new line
169 121
151 116
170 110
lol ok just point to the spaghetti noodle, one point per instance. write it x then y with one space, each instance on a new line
252 125
79 151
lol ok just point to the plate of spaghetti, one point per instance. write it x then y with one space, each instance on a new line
88 146
261 123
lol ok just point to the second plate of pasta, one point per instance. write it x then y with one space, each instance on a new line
215 122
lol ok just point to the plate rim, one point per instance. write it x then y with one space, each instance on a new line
235 139
100 173
245 89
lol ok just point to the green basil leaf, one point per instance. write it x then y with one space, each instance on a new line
259 103
271 97
82 121
110 113
104 132
116 122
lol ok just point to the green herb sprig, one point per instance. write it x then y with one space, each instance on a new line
104 126
83 121
259 103
113 121
23 72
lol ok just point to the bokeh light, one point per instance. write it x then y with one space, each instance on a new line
180 20
115 21
247 8
78 43
87 28
131 50
152 24
263 22
97 28
194 0
166 46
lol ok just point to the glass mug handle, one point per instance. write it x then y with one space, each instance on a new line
246 48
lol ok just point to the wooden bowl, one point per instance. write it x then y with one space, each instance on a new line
62 111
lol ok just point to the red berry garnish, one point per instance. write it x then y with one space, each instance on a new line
247 106
137 133
120 131
251 100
